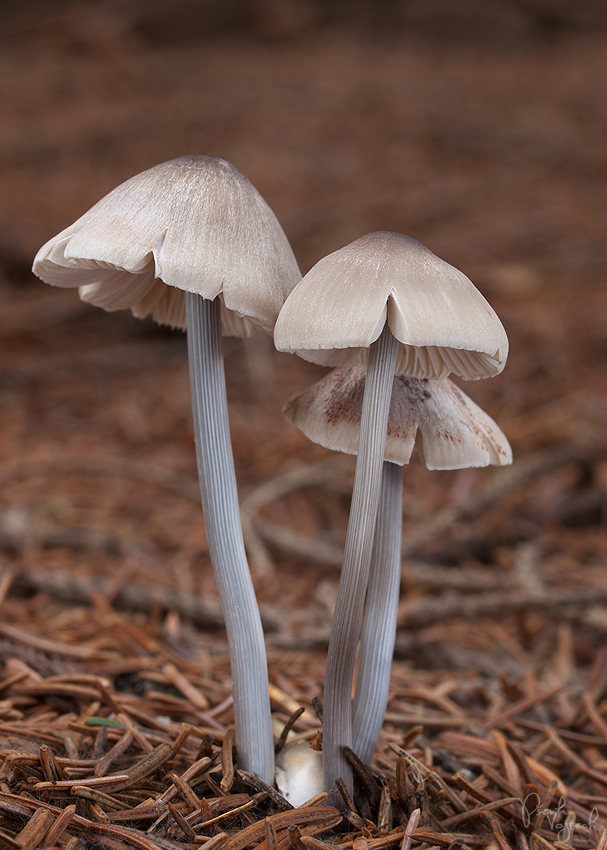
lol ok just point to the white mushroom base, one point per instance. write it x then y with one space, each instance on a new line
299 774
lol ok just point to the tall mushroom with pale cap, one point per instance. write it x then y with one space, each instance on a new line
455 433
387 300
192 243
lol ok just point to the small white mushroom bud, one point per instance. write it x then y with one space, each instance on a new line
299 772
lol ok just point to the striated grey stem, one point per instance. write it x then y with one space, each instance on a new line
347 619
216 474
379 624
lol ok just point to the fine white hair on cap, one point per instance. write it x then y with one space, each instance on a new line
455 432
443 323
193 224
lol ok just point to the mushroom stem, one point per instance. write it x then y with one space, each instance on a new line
381 609
347 619
252 719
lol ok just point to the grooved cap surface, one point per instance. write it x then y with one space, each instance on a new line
440 318
193 224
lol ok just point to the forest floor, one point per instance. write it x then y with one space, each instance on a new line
115 698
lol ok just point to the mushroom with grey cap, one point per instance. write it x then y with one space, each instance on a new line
387 300
455 433
192 243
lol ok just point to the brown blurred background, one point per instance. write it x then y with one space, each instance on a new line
478 127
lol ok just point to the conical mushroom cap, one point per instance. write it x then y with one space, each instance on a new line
194 224
442 321
455 432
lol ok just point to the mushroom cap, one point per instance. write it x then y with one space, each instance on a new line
299 772
193 224
440 318
455 432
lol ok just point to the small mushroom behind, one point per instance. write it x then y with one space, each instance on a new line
192 243
455 433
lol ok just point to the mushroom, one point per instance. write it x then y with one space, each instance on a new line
387 300
192 243
455 433
299 772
